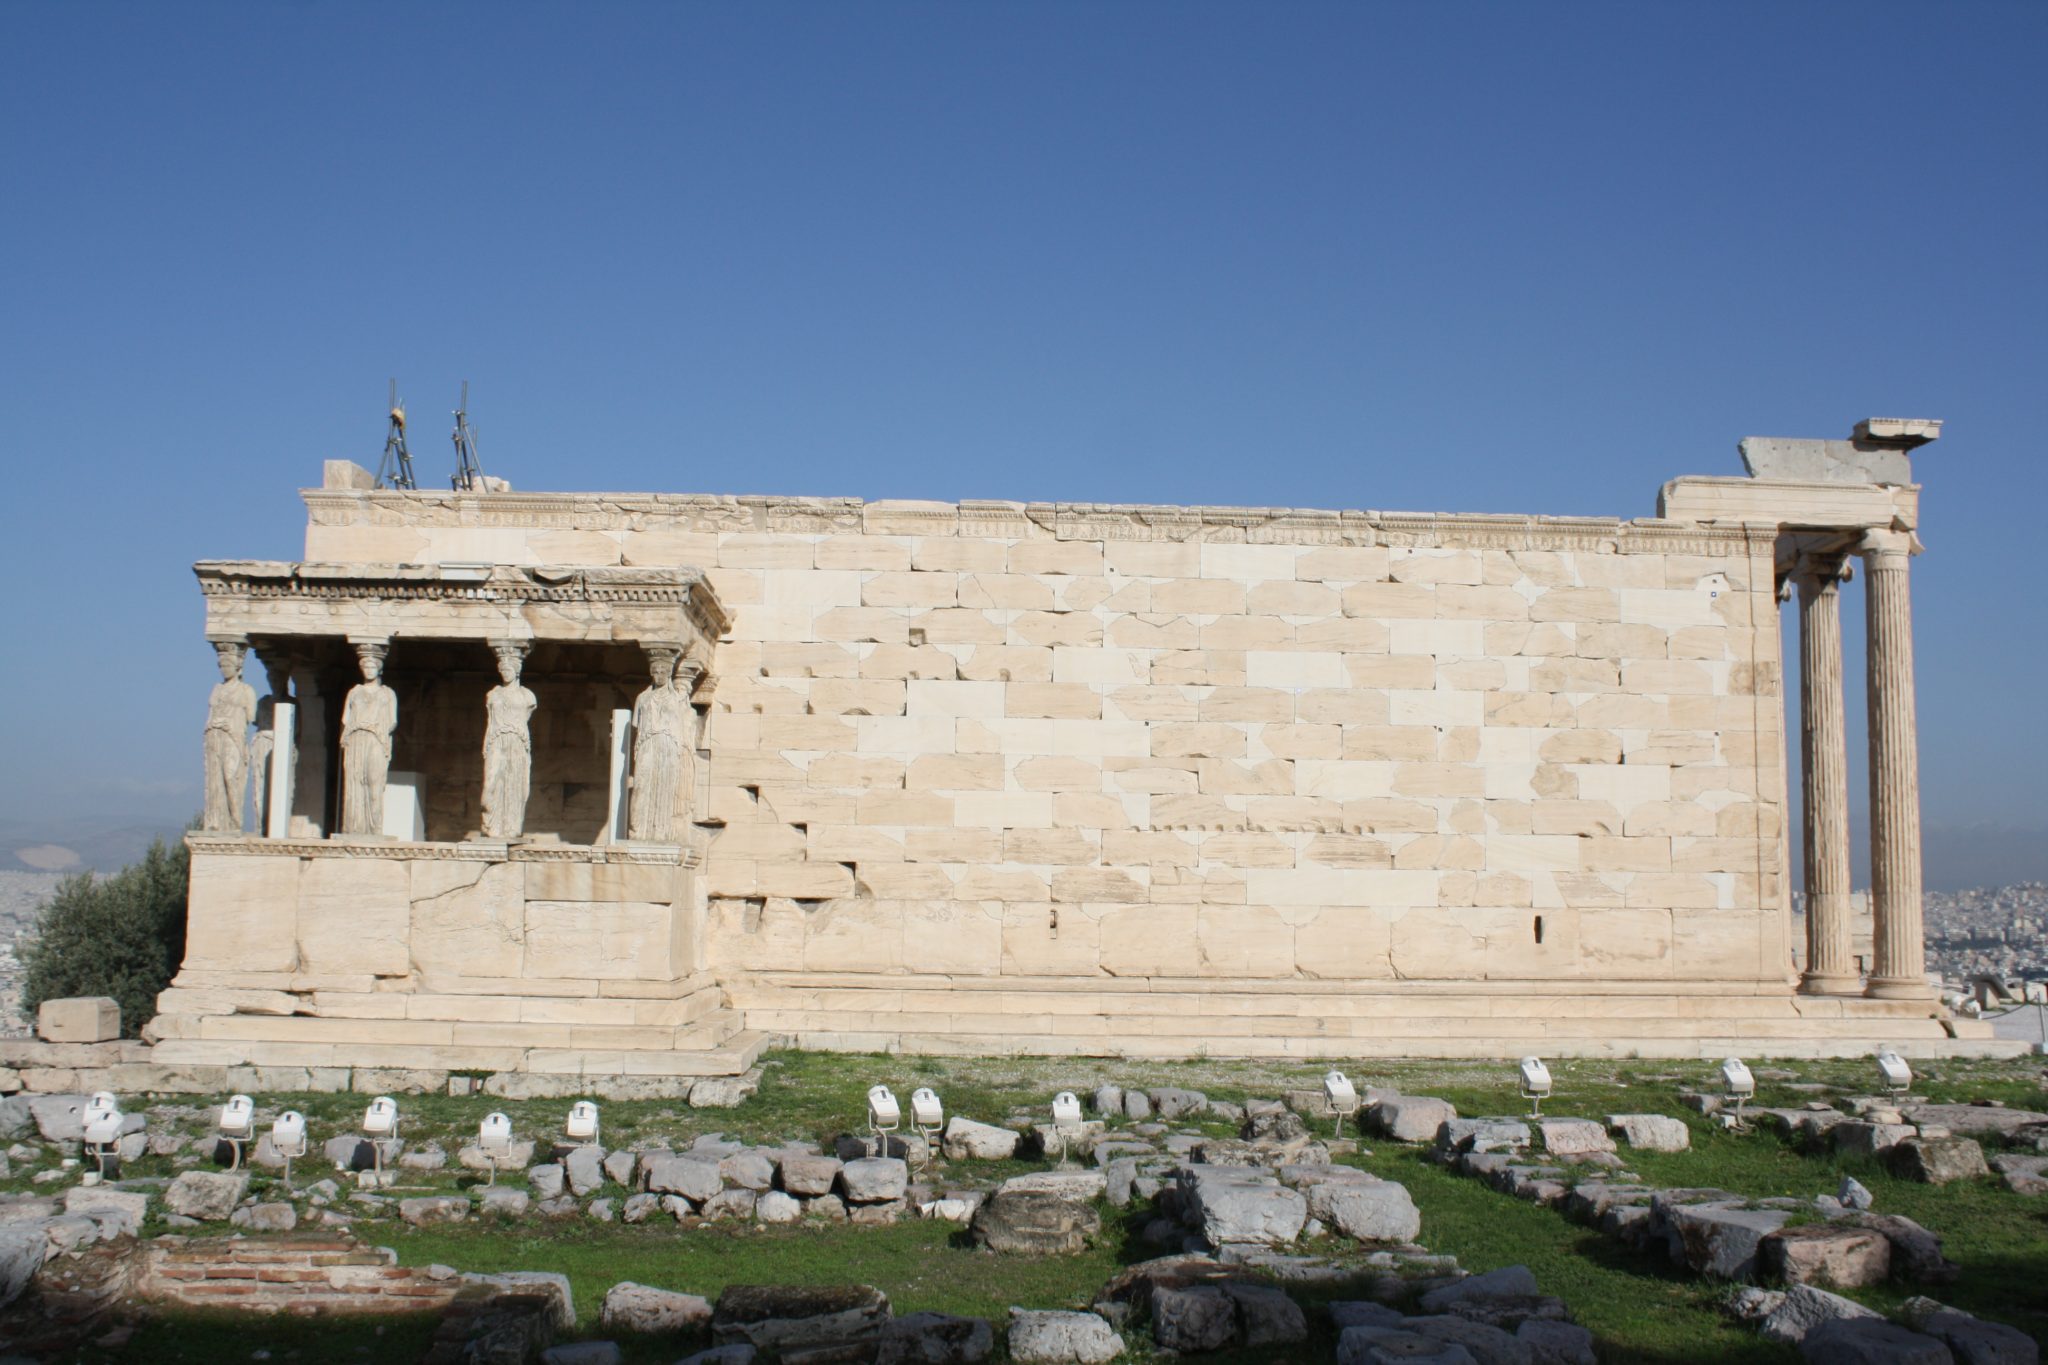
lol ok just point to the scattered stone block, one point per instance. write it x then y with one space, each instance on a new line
1236 1204
748 1171
695 1178
276 1216
874 1180
434 1208
1936 1161
123 1209
777 1318
1651 1132
1854 1194
79 1019
723 1092
731 1203
737 1354
502 1201
1137 1105
1188 1319
935 1339
810 1176
1396 1346
1574 1137
583 1167
1864 1138
1916 1252
1411 1118
1058 1338
1870 1341
1483 1342
1072 1184
1972 1340
1556 1343
630 1307
1108 1099
1376 1211
968 1140
1483 1135
1832 1254
1035 1222
1722 1242
1803 1309
1172 1103
582 1353
209 1196
1508 1282
619 1167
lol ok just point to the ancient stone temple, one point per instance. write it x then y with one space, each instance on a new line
631 784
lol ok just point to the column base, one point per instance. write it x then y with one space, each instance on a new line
1899 988
1812 983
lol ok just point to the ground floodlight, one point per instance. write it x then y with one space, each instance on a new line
927 1115
288 1137
1892 1068
102 1099
582 1124
1066 1122
494 1140
1535 1078
237 1126
103 1131
1341 1096
380 1121
885 1116
1737 1083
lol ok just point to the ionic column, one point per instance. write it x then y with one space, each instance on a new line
1824 760
1899 971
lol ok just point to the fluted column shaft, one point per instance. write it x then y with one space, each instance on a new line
1824 753
1899 973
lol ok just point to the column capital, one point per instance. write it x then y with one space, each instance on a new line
1888 544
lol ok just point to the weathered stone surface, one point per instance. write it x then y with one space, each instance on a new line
777 1318
619 1167
1379 1211
502 1201
79 1019
1120 1179
547 1179
583 1353
23 1247
1804 1308
1854 1194
59 1118
1266 1316
1972 1340
584 1170
1936 1161
694 1178
1071 1184
1483 1135
1858 1138
809 1176
125 1209
935 1339
1269 1121
1193 1318
722 1092
1411 1118
1174 1103
516 1157
1916 1252
630 1307
730 1203
434 1208
1870 1341
1108 1099
1035 1222
1056 1338
1485 1343
1508 1282
1574 1137
1394 1346
1651 1132
1137 1105
748 1171
874 1179
1967 1120
1830 1254
1721 1242
1556 1343
738 1353
774 1206
1237 1204
967 1140
209 1196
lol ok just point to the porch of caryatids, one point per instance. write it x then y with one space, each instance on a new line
1824 757
230 711
369 716
1899 969
508 746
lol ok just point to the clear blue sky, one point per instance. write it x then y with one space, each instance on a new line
1445 257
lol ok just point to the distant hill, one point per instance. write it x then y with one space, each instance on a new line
76 846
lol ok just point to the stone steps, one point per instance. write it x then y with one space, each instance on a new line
729 1056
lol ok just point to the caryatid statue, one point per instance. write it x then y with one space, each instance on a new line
230 711
368 717
508 748
661 733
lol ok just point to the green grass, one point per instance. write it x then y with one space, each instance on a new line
1639 1309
